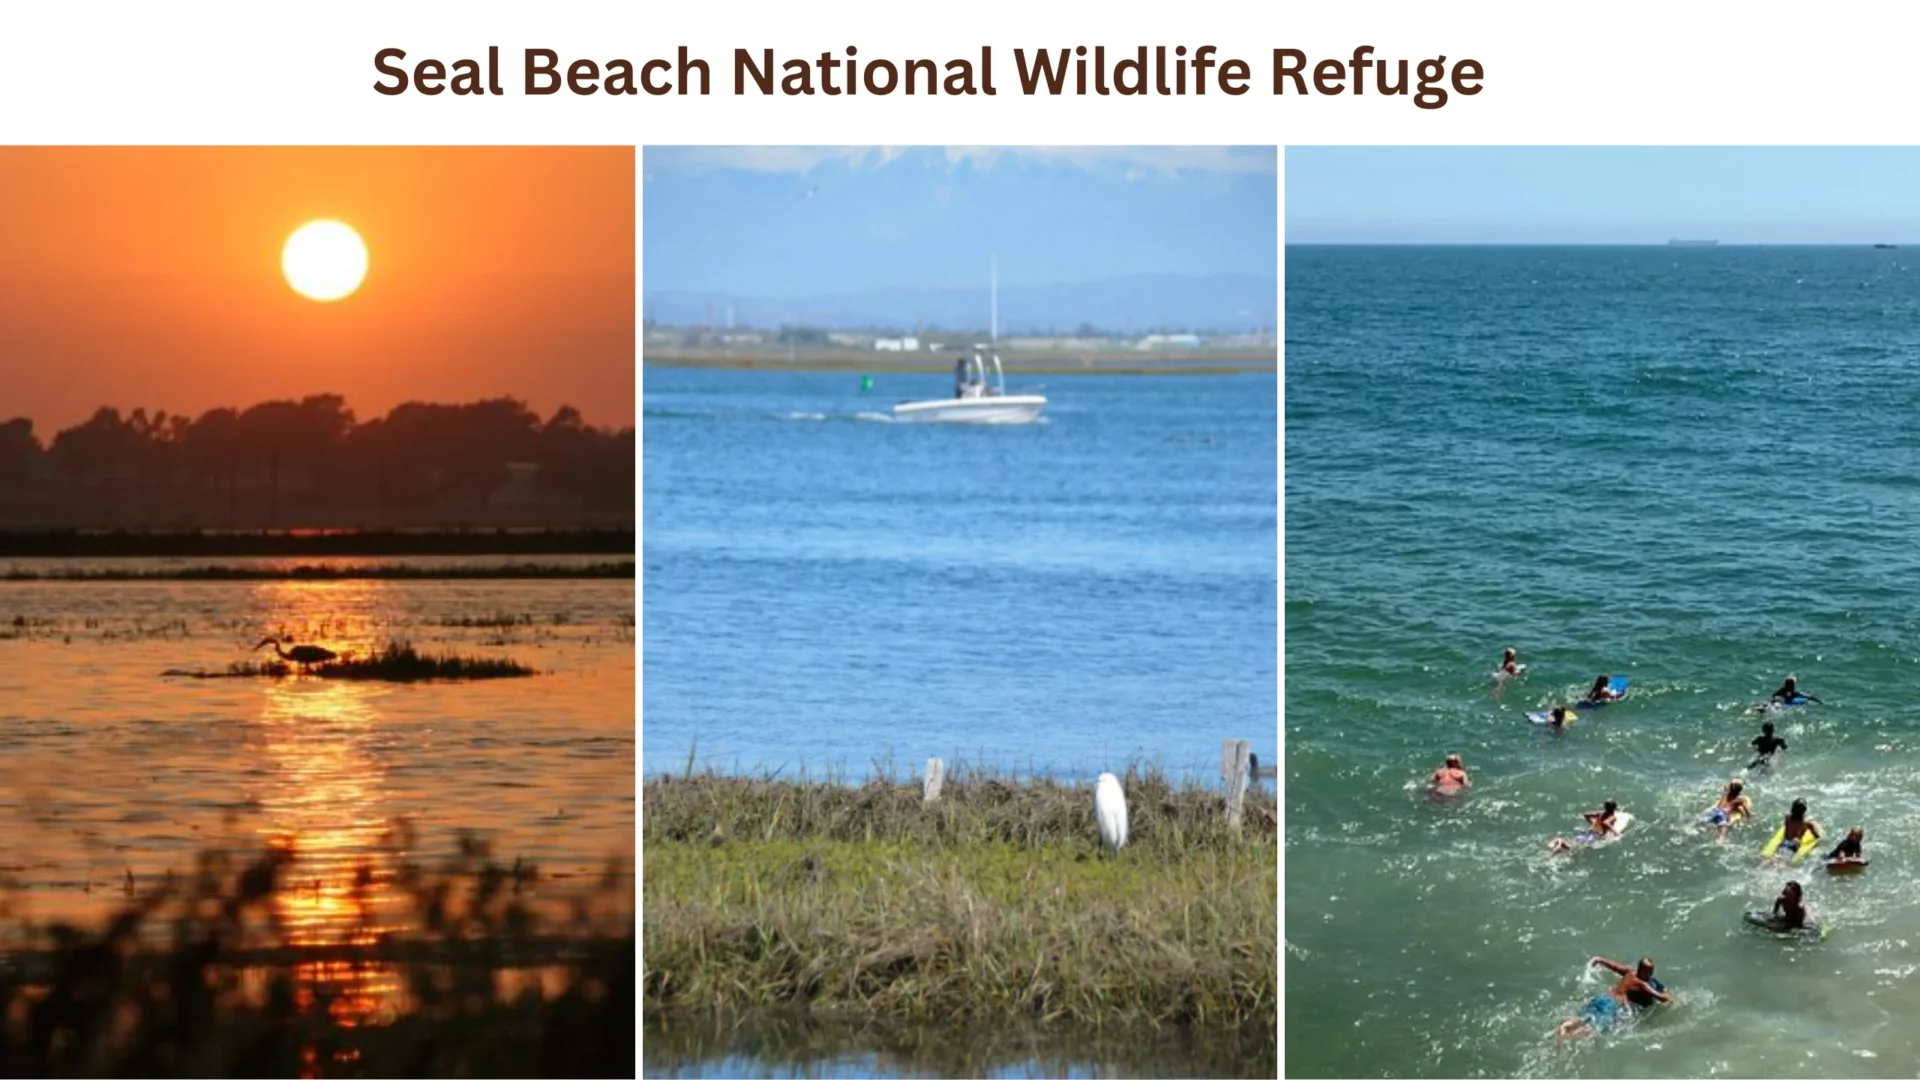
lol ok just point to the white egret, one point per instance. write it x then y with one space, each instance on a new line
1110 811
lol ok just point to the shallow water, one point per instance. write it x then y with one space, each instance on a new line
775 1046
828 589
113 769
1693 467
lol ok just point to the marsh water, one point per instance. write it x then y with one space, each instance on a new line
775 1045
117 775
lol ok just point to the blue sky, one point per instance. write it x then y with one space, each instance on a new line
1606 195
806 221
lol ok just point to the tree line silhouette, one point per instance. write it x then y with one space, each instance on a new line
312 464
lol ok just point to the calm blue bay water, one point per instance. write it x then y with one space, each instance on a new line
1696 467
825 587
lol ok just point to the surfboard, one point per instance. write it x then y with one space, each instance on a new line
1619 684
1621 821
1772 847
1765 920
1795 700
1846 866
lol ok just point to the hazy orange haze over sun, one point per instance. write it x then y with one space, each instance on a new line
150 277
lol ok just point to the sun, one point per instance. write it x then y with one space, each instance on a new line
324 260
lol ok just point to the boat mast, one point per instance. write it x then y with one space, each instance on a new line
993 320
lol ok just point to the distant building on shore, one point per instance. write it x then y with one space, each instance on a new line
899 344
1168 341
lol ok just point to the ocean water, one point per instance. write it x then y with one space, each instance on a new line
827 589
1696 467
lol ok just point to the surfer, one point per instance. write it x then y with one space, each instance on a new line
1637 988
1601 824
1509 663
1789 690
1601 692
1766 744
1796 826
1451 778
1732 806
1850 849
1559 717
1789 912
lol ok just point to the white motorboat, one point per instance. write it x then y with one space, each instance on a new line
979 387
979 397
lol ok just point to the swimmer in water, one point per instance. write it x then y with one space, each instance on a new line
1789 912
1510 663
1790 690
1766 744
1601 691
1601 824
1451 778
1733 805
1637 989
1850 849
1796 825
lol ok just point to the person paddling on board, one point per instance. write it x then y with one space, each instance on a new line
1601 692
1451 778
1850 849
1601 824
1766 744
1732 806
1796 826
1789 690
1509 663
1559 716
1789 912
1637 989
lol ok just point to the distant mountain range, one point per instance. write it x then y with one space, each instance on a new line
1222 303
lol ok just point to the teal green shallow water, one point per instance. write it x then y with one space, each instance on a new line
1696 467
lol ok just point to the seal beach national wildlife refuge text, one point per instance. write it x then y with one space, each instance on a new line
1142 71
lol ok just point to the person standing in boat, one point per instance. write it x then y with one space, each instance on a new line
960 378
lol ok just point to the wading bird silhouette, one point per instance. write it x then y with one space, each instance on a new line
1110 812
304 655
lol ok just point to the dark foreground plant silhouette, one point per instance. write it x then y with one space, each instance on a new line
212 977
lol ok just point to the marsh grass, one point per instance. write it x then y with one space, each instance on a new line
206 978
397 661
994 903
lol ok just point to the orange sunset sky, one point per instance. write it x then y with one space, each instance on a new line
151 277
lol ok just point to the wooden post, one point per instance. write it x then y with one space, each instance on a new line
930 787
1233 769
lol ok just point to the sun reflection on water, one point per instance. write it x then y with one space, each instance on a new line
326 804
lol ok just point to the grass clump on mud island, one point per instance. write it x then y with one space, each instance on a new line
395 662
993 903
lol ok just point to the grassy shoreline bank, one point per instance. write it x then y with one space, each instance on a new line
994 903
1051 362
519 571
57 543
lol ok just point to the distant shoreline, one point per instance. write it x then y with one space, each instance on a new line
1065 362
102 544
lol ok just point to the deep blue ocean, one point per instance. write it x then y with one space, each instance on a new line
824 588
1697 467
